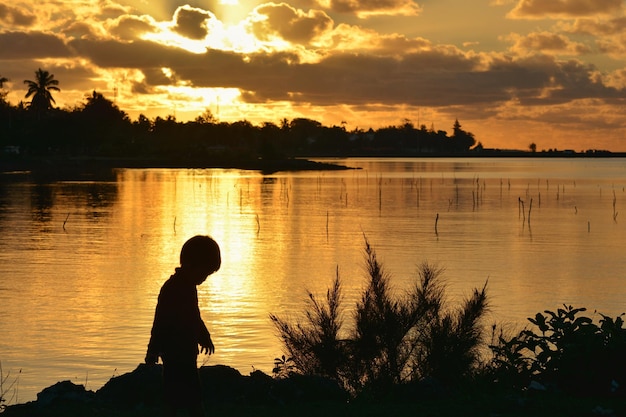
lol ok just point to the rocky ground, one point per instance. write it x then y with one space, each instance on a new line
228 393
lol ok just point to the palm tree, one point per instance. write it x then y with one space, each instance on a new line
41 89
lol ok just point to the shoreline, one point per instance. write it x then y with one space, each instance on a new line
64 165
81 164
226 391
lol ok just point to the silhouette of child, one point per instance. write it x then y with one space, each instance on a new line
178 328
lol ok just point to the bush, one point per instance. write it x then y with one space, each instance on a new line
569 353
393 340
8 388
314 347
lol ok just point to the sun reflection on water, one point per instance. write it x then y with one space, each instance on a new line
77 293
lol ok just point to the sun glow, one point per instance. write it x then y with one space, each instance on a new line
172 39
194 100
235 38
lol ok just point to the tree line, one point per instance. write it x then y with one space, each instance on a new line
99 128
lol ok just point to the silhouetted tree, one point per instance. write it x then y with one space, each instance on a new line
461 140
100 109
271 136
302 132
2 92
533 147
40 90
105 124
206 117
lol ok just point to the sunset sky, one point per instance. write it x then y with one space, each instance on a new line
513 72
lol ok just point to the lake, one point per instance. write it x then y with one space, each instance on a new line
82 260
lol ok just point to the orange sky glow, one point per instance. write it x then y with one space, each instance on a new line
513 72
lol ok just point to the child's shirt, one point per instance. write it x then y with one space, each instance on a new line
178 328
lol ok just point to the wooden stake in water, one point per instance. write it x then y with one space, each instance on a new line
614 211
436 221
326 225
68 216
417 198
380 194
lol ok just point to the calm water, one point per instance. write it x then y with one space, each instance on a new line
81 262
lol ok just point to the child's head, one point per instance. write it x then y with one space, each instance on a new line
201 252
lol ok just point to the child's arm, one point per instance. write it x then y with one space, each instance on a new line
204 339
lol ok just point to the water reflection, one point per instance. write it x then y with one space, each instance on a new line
90 287
42 201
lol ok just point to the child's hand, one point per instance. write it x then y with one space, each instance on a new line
207 347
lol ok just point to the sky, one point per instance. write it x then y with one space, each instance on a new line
513 72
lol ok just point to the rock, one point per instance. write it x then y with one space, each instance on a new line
139 387
141 391
65 391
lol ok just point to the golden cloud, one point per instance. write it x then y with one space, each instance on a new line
369 8
16 16
132 27
292 25
191 22
540 9
546 42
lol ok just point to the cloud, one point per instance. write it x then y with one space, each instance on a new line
33 45
546 42
346 37
608 34
132 27
80 29
435 77
369 8
290 24
15 16
112 10
541 9
597 27
191 22
138 54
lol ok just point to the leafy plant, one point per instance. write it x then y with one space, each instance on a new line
283 367
569 351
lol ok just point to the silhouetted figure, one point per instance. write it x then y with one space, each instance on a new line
178 328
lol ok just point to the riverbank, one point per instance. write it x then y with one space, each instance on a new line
227 392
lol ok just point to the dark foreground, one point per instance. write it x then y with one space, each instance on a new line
228 393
